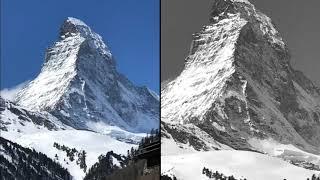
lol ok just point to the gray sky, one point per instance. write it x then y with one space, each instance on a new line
297 20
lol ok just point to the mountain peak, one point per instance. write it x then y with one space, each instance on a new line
223 7
74 26
230 21
79 84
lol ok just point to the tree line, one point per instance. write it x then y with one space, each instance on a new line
218 176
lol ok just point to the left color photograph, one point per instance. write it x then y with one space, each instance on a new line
80 90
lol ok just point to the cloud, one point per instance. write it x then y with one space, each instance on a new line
10 93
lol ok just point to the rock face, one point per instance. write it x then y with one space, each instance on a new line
238 84
79 84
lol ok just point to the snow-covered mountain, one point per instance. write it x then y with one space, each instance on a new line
79 106
79 84
238 89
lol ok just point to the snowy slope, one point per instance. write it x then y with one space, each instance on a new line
93 143
40 130
16 121
79 84
241 164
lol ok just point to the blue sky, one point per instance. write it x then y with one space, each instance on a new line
129 27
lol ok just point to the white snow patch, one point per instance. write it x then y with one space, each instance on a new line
115 161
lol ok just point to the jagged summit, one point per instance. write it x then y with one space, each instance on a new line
231 18
79 84
73 25
222 7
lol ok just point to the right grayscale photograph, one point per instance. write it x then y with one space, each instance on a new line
240 96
